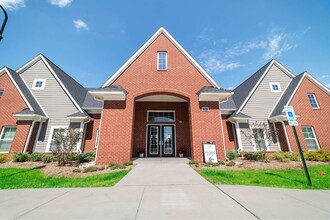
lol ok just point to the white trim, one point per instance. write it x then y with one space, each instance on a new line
160 111
35 82
159 52
223 135
1 133
286 136
97 149
285 70
146 45
279 99
239 138
97 138
317 103
29 136
37 137
40 56
275 84
315 138
51 135
18 89
277 139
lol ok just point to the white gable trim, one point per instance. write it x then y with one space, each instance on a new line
315 81
273 62
18 89
144 47
40 56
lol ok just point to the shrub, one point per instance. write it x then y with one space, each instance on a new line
87 156
48 158
90 169
253 155
3 158
284 156
35 156
76 171
21 157
118 166
318 155
222 162
128 163
230 164
213 164
101 168
111 165
232 154
72 157
193 162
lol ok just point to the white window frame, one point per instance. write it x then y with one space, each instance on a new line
317 103
38 80
278 86
159 52
315 138
52 128
160 111
1 133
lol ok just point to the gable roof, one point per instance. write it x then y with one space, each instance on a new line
31 102
75 91
292 89
244 91
145 46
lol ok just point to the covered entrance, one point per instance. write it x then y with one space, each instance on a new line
161 141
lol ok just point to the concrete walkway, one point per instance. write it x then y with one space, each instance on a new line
164 189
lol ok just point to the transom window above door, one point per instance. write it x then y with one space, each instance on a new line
161 116
162 60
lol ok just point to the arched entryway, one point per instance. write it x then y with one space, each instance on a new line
161 125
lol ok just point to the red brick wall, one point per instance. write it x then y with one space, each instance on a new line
142 78
228 133
182 129
33 137
11 102
317 118
90 134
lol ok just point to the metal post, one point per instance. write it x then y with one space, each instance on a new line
302 157
4 22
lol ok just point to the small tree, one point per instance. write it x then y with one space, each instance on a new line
65 142
260 135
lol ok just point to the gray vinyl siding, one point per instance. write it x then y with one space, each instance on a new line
52 98
262 102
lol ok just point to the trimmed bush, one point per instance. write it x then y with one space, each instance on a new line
193 162
213 164
76 171
284 156
318 155
72 157
35 156
111 165
101 168
232 154
3 158
118 166
90 169
222 162
253 155
87 157
21 157
48 158
128 163
230 164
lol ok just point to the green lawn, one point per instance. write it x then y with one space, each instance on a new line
295 179
18 178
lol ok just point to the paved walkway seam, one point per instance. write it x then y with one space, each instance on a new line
137 211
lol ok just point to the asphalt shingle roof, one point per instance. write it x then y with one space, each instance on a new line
230 104
210 89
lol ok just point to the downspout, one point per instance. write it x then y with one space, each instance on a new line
223 135
97 149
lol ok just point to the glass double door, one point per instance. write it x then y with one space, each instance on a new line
160 141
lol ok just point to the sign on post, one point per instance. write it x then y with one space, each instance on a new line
289 111
210 153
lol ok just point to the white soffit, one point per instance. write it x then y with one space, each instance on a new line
161 98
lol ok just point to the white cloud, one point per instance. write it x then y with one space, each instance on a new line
80 24
212 62
244 47
276 46
12 4
60 3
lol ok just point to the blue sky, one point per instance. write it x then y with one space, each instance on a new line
91 39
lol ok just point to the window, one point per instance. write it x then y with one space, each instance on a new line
259 138
162 61
1 93
205 109
313 101
165 116
52 135
38 84
275 87
6 138
310 138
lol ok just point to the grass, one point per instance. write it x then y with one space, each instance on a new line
19 178
292 178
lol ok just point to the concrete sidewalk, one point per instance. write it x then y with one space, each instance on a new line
164 189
